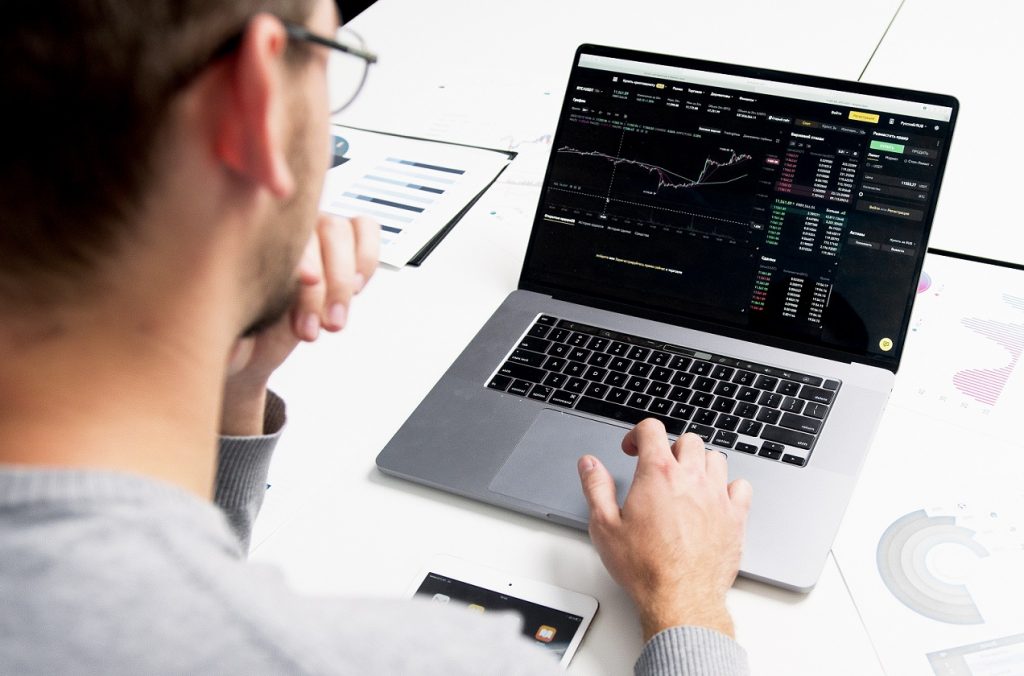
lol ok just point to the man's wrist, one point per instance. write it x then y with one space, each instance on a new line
243 412
711 614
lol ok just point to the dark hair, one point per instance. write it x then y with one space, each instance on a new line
87 85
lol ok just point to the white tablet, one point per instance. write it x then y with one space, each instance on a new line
555 618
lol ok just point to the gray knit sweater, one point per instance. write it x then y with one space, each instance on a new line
110 573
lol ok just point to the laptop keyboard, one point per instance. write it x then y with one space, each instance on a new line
730 403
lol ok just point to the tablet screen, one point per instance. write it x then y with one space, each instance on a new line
554 629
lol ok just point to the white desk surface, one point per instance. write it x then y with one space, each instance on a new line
494 73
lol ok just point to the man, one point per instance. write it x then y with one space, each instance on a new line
159 192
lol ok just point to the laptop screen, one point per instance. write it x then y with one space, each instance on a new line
788 207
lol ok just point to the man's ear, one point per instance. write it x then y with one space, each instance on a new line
252 134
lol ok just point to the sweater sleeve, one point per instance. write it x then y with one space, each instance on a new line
242 466
691 651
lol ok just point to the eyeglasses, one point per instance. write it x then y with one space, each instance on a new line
348 64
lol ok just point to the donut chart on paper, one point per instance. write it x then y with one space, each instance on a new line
902 558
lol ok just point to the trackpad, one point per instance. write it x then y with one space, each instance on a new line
542 468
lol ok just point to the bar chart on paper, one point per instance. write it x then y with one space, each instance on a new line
412 188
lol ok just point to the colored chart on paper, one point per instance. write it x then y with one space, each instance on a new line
962 360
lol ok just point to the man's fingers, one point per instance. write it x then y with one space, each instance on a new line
741 493
367 237
689 450
307 310
646 435
717 467
599 489
338 251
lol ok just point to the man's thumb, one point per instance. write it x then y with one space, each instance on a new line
599 489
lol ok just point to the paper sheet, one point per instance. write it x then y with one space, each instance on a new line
932 546
412 188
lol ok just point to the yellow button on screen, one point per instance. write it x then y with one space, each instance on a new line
863 117
885 344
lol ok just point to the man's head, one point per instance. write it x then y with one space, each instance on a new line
106 99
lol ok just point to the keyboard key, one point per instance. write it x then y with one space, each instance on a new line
748 394
788 388
727 422
722 372
703 399
624 414
800 423
579 354
563 398
541 392
792 405
680 394
701 368
527 357
682 411
766 383
640 353
831 385
596 390
520 387
770 399
724 404
640 369
724 389
683 379
616 379
705 417
547 319
813 381
575 368
744 378
555 379
704 384
746 448
818 411
522 372
619 364
770 450
658 389
598 344
749 428
538 331
535 344
745 410
724 439
599 359
793 460
702 431
559 350
617 349
499 383
618 395
817 394
660 406
638 400
558 336
578 339
637 384
659 358
788 437
595 374
555 364
768 415
679 363
576 385
661 374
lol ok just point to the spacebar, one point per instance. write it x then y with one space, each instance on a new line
626 414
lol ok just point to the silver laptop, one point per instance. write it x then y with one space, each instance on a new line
734 251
